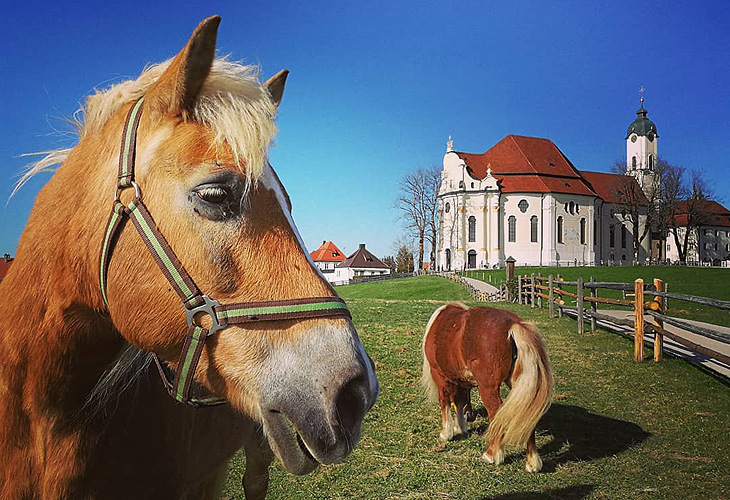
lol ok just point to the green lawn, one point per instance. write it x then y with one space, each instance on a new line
707 282
616 429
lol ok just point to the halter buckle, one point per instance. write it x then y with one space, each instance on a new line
137 191
207 308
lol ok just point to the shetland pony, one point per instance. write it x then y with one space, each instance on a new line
83 412
484 347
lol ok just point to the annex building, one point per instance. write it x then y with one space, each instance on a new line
525 199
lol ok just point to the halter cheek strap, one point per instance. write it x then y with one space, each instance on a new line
222 315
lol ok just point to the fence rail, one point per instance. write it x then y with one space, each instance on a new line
644 300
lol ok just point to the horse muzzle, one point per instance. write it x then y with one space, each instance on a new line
313 415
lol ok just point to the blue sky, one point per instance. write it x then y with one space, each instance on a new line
376 88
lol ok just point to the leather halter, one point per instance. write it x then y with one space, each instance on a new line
194 302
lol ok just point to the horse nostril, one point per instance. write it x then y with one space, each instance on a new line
351 404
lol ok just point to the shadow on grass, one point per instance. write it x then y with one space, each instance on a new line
570 493
578 435
588 436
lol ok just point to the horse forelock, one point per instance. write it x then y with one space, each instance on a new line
232 103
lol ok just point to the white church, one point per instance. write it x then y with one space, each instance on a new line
524 198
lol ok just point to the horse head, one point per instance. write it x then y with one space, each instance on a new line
202 171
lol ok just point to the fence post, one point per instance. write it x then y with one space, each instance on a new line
658 337
594 305
551 304
560 309
532 290
579 305
541 291
639 320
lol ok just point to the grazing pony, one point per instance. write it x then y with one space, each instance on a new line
483 347
160 271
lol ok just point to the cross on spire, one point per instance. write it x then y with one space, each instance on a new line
641 93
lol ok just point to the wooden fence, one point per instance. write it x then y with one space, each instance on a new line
644 299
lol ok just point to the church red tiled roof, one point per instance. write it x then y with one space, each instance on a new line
528 164
607 186
327 252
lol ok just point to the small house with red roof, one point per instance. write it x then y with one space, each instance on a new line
326 258
524 198
362 263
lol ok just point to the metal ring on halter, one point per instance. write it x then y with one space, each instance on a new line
207 308
137 191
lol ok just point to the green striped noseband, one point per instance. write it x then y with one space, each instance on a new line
194 302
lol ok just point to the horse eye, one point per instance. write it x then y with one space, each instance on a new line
213 194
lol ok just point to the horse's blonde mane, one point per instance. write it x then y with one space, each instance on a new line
231 102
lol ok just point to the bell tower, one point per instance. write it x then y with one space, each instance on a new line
641 148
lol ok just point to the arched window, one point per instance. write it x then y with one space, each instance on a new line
512 228
448 207
533 228
571 207
523 206
472 228
448 259
623 236
471 259
560 229
651 162
633 162
582 231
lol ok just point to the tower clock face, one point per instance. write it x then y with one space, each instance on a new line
633 137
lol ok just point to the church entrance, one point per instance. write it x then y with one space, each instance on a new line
448 259
472 259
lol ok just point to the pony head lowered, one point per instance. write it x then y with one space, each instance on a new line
202 166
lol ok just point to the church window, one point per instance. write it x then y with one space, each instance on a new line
560 229
472 185
582 231
512 228
612 236
448 207
472 228
595 232
565 207
623 236
633 162
462 185
571 208
533 229
523 205
669 247
651 162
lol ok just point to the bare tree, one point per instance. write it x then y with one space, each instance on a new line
433 184
692 212
413 193
647 211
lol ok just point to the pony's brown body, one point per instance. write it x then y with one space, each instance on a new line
297 390
485 347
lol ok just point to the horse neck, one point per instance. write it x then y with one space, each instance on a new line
50 323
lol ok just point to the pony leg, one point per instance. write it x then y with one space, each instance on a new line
461 400
468 409
447 424
492 402
533 462
256 477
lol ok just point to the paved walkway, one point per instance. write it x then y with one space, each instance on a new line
481 286
676 349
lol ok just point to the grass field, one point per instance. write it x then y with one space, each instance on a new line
616 429
707 282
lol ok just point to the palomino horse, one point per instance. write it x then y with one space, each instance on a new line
484 347
93 302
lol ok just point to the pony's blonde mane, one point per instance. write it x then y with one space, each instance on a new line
231 102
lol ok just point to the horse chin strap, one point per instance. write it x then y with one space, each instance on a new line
222 315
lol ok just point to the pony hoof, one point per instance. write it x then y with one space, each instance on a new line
533 465
446 437
497 459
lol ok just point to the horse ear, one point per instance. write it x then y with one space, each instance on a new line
275 85
178 87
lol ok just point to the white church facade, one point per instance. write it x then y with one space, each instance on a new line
524 198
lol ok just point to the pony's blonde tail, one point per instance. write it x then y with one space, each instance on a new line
532 384
429 386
